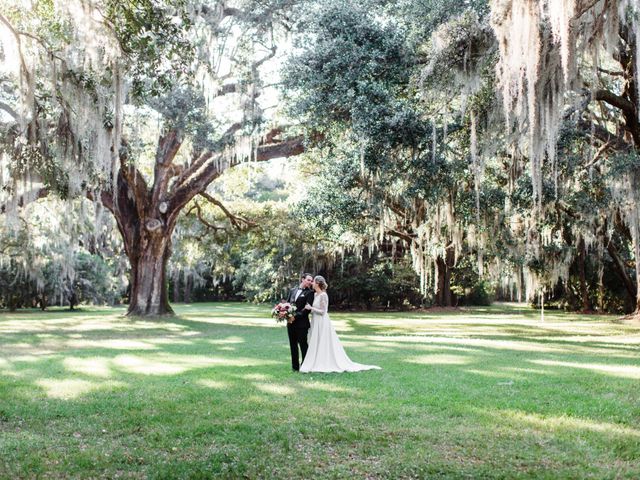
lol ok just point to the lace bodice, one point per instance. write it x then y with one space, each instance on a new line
320 303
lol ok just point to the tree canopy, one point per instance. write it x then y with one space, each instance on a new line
491 146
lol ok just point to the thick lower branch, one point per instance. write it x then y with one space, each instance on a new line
628 111
287 148
211 166
615 100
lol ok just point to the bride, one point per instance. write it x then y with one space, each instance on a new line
325 352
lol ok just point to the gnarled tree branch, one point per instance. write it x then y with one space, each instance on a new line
236 220
204 221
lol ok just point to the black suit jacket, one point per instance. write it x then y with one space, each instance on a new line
301 315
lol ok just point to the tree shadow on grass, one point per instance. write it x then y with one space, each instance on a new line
207 396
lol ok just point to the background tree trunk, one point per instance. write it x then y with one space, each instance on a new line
187 288
176 286
443 292
584 289
43 302
620 268
637 258
444 297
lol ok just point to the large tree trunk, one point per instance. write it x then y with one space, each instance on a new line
147 240
148 278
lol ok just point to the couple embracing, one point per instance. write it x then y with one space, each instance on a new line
321 348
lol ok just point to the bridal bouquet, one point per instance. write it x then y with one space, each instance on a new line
283 311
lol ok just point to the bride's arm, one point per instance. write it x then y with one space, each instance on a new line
323 304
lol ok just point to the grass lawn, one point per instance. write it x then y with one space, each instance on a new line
480 393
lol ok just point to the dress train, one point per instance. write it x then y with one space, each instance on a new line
325 353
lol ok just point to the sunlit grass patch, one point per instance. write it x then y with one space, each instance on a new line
440 359
72 388
475 393
568 424
627 371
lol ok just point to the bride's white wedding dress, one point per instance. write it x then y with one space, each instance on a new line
325 353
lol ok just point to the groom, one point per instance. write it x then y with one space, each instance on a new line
299 326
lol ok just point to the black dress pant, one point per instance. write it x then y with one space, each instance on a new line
297 338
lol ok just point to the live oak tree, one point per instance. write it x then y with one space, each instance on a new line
395 165
572 66
78 76
544 212
562 129
138 106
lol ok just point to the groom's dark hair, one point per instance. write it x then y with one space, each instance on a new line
305 275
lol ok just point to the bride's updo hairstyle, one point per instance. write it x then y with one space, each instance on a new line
321 282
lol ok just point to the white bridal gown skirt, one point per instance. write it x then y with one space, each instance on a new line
325 353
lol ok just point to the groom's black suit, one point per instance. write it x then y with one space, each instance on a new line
299 328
